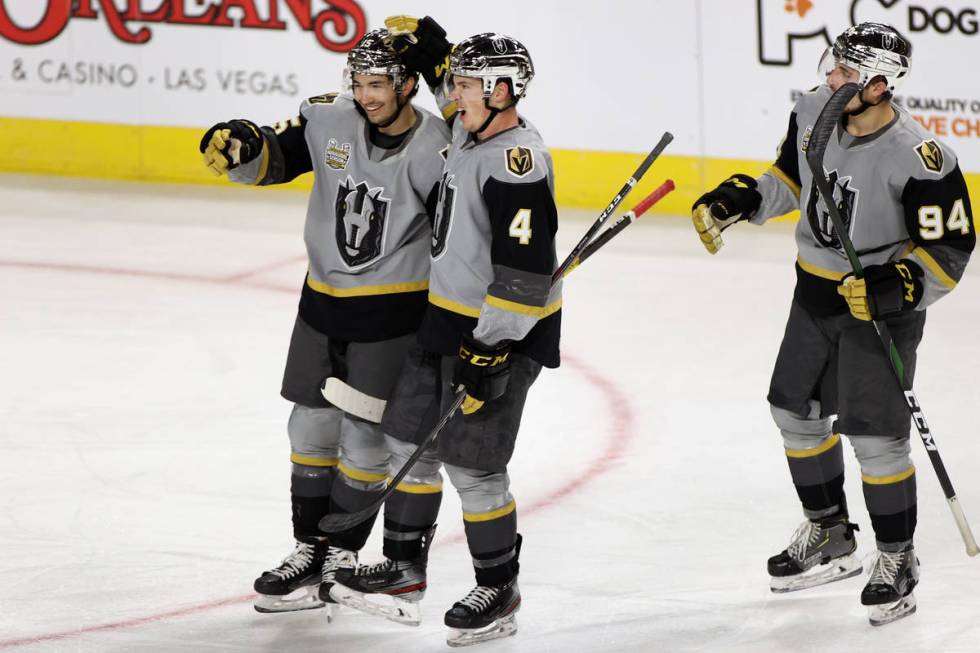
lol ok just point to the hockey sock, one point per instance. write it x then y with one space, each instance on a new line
818 475
409 512
355 490
310 493
891 502
494 544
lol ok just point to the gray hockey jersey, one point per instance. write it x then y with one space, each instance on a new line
368 227
900 193
493 247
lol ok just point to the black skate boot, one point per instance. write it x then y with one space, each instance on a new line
391 589
820 552
888 593
293 584
487 612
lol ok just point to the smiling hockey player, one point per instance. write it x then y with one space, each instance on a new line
377 162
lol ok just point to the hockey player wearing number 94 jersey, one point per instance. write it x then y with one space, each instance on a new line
492 322
905 204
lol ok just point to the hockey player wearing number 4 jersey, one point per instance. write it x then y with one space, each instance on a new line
492 322
905 204
377 163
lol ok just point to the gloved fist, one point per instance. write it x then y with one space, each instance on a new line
736 198
229 144
884 289
483 371
422 45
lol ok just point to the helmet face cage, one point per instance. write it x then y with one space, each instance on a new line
373 56
872 50
492 58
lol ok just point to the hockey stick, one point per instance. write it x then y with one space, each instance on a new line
337 522
819 138
620 196
624 221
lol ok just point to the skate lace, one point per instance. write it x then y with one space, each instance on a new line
480 597
886 568
806 535
295 562
336 558
368 570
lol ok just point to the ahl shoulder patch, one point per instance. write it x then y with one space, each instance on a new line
931 155
520 161
326 98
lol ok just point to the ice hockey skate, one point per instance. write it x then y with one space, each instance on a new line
888 593
391 589
820 552
485 613
293 584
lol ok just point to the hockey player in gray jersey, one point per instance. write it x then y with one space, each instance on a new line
377 162
492 322
905 203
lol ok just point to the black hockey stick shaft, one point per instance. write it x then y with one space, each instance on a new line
623 221
823 130
608 211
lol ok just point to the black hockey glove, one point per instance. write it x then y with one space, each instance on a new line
216 144
735 199
885 289
422 45
483 371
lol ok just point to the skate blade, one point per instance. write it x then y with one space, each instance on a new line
879 615
837 569
303 598
505 627
382 605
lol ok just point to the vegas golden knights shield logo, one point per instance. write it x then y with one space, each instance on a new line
931 155
520 161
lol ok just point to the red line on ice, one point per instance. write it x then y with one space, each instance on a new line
619 436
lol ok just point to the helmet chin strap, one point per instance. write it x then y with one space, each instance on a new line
493 113
865 105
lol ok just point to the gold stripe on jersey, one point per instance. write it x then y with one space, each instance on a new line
524 309
937 269
419 488
818 271
783 177
826 445
358 475
450 305
887 480
313 461
490 515
362 291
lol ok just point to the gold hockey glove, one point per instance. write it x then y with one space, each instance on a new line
227 145
421 43
884 290
735 199
483 371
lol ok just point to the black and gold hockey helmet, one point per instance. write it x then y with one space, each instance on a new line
373 55
493 58
872 49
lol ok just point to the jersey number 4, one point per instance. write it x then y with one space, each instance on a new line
932 226
520 227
